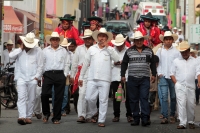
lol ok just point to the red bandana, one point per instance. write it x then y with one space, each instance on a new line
94 22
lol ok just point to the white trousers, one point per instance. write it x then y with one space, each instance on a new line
38 105
26 97
94 89
81 100
186 103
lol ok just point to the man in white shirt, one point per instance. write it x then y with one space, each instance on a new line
175 30
167 53
120 48
183 72
29 64
5 55
77 64
180 35
98 62
56 68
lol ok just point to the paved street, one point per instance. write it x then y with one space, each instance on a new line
8 124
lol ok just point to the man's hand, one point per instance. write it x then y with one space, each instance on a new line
123 79
39 83
71 81
160 76
118 63
153 79
198 85
80 83
22 46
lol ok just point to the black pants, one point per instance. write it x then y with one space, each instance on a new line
56 79
197 91
116 104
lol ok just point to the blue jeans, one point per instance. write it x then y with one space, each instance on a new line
138 90
65 99
160 98
166 84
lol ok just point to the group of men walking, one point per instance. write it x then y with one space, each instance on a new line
96 67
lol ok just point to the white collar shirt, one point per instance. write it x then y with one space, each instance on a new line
180 36
56 59
185 71
28 65
166 58
78 59
116 69
99 62
6 59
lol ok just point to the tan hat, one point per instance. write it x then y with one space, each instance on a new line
53 34
29 40
65 43
184 45
137 35
87 33
167 34
119 40
193 51
9 42
102 30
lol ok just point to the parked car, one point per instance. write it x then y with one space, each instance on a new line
123 26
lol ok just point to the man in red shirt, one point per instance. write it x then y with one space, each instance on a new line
67 30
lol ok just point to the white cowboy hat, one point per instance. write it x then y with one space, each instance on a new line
175 28
53 34
137 35
184 45
9 42
160 25
179 30
29 40
193 51
87 33
167 34
119 40
102 30
65 43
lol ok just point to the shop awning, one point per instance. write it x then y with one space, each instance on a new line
11 22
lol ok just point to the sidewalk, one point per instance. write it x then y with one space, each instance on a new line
8 124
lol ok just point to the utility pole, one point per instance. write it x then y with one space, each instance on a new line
41 23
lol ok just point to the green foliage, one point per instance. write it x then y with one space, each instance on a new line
197 13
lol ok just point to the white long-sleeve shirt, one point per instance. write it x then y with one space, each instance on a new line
185 71
78 59
99 62
166 58
6 59
116 69
56 59
28 65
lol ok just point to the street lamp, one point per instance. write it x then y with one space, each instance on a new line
198 6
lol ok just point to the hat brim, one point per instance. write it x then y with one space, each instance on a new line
182 50
29 45
8 43
48 37
194 51
145 17
96 33
175 37
95 18
132 38
85 36
118 44
65 45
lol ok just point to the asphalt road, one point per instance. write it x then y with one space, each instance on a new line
8 124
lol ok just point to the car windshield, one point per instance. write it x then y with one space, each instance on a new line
163 19
123 27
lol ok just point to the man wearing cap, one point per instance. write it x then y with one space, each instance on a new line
77 64
98 62
120 48
167 53
94 23
67 30
139 59
184 81
28 71
56 69
5 55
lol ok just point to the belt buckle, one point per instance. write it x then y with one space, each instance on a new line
53 71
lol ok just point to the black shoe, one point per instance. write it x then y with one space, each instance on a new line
144 124
134 123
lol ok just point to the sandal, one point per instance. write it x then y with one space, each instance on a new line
129 119
161 117
164 121
115 119
101 125
93 120
45 119
180 127
56 122
22 121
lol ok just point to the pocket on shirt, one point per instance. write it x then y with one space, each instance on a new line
61 59
32 60
106 56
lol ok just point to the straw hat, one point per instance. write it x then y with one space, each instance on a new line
65 43
87 33
193 51
183 46
167 34
9 42
53 34
137 35
119 40
102 30
179 30
29 40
